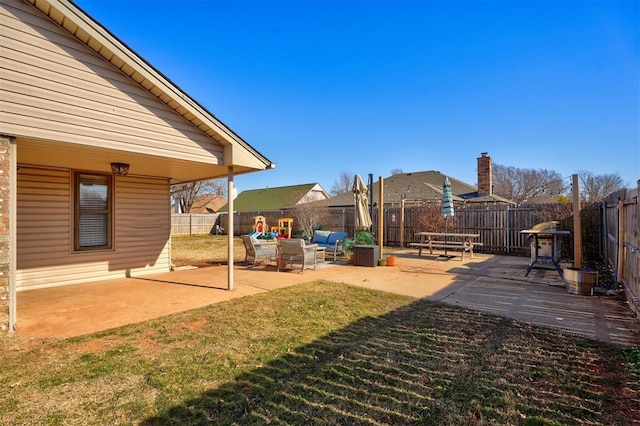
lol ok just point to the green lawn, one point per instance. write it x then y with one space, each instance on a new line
198 250
324 354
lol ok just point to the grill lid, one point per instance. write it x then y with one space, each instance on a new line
546 226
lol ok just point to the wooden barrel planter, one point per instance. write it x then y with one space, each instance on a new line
580 281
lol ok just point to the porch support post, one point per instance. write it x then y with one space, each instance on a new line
230 209
8 215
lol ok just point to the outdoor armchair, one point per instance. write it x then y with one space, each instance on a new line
259 251
296 252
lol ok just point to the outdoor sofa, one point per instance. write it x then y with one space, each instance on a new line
331 241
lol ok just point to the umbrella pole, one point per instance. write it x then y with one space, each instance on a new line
446 223
447 210
446 251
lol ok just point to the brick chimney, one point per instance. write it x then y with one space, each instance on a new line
485 177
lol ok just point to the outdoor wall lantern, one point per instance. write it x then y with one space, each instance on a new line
120 169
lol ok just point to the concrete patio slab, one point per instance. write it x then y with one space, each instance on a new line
493 284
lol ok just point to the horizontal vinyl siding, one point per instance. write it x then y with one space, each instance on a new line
45 254
143 224
54 87
43 217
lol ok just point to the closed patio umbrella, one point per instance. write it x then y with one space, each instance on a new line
447 204
447 200
362 216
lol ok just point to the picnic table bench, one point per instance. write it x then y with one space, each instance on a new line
446 241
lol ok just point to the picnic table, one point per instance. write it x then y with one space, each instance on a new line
446 241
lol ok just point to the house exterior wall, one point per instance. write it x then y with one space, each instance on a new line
74 98
55 88
45 249
315 194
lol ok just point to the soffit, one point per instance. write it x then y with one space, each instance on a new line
80 157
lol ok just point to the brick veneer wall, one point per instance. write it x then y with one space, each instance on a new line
4 233
485 178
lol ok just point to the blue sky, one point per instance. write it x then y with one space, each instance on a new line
321 87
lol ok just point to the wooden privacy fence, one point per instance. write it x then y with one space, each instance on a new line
621 235
194 224
612 229
499 226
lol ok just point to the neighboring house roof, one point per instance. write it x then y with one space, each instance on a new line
207 203
419 187
235 153
542 199
474 198
416 187
277 198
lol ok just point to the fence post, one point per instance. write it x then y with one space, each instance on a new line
577 230
381 214
604 232
508 224
402 220
621 232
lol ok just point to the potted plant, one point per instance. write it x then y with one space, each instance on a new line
364 248
364 238
347 246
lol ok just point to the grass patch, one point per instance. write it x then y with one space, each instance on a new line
198 250
321 353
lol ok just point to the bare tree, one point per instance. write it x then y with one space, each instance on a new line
429 218
594 188
184 195
215 186
308 213
396 172
521 185
344 183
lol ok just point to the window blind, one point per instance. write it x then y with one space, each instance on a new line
93 211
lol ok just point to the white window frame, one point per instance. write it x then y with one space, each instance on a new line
78 212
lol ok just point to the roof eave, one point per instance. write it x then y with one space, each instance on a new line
95 36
